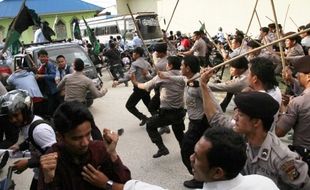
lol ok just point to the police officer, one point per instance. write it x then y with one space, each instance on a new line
253 117
171 110
297 116
137 69
198 123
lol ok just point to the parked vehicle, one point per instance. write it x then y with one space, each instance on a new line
30 59
106 26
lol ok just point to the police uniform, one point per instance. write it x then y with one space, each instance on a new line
275 161
297 116
272 158
137 68
198 123
171 110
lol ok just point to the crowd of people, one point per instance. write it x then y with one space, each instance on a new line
244 151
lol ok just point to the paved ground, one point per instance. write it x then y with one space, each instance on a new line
134 147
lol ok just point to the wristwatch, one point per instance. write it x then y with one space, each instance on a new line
109 184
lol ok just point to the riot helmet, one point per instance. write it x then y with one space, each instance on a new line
14 101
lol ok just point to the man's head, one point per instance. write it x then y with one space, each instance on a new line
73 123
253 44
264 31
17 106
262 74
290 42
219 155
174 63
61 61
238 66
236 42
302 67
190 66
254 111
43 56
161 50
137 52
78 64
196 35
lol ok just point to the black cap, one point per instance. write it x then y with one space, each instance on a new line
302 65
161 48
257 104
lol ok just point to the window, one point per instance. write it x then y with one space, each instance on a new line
2 30
60 30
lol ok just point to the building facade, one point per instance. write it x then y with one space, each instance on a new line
58 13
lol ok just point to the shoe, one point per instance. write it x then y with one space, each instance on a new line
161 152
143 121
163 130
193 184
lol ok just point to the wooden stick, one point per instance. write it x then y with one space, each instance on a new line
205 30
269 19
278 33
286 16
256 49
139 33
175 7
294 22
252 17
259 23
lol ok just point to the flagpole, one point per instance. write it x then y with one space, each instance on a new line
255 50
13 25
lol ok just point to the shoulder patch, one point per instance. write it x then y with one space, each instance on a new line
290 169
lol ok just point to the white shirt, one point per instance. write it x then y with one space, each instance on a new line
248 182
39 37
139 185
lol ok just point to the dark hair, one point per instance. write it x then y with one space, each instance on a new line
240 63
42 52
78 64
297 38
112 45
139 50
71 114
308 26
228 150
253 44
192 62
263 68
175 62
238 39
161 48
60 56
197 33
264 29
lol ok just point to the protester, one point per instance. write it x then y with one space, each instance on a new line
38 135
46 78
77 161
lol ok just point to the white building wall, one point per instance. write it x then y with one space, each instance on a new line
229 14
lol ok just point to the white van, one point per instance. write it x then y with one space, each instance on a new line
123 26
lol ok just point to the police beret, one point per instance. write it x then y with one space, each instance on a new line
302 65
162 48
257 104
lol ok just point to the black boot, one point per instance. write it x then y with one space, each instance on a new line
162 150
143 121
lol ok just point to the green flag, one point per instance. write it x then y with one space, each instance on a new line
92 38
19 24
76 30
